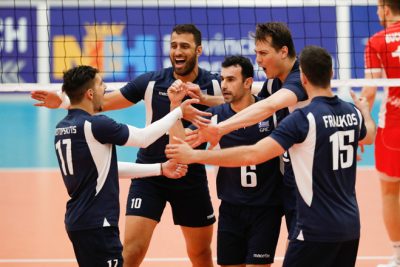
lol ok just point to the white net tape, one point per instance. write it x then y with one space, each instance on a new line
340 84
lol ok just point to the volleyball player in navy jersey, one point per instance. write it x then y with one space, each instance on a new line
251 205
189 196
322 140
283 92
85 148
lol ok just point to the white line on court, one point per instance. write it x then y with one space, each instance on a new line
362 258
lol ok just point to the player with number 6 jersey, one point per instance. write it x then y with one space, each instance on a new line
322 139
251 208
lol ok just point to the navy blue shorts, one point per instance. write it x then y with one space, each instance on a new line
190 207
247 235
97 247
321 254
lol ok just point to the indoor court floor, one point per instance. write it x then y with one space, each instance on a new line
32 205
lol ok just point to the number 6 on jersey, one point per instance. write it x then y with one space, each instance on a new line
248 178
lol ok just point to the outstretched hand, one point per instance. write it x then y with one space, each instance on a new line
194 91
180 152
46 99
360 102
176 92
173 170
205 133
194 115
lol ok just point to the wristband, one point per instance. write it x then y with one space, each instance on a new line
65 102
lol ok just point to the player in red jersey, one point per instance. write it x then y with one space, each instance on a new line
382 60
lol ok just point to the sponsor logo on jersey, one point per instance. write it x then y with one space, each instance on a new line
263 126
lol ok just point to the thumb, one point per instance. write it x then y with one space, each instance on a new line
191 101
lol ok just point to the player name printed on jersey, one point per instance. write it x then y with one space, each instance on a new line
392 37
66 130
394 101
340 121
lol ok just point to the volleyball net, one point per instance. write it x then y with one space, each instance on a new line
39 39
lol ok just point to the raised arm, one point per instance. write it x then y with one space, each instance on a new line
258 111
369 92
194 91
176 92
143 137
112 101
362 104
251 115
262 151
129 170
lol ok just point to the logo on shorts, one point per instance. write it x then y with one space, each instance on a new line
261 256
210 216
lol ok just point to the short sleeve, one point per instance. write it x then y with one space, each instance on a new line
108 131
134 90
371 55
292 130
293 83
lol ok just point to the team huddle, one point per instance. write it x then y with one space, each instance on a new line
290 151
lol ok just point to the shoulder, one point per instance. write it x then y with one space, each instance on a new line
294 74
377 39
206 76
101 121
154 75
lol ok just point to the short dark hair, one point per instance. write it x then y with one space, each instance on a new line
245 63
316 64
279 33
189 28
77 81
394 5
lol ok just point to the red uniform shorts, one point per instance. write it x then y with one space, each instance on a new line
387 151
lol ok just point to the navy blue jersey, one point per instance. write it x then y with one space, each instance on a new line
292 83
255 185
322 139
87 158
152 88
